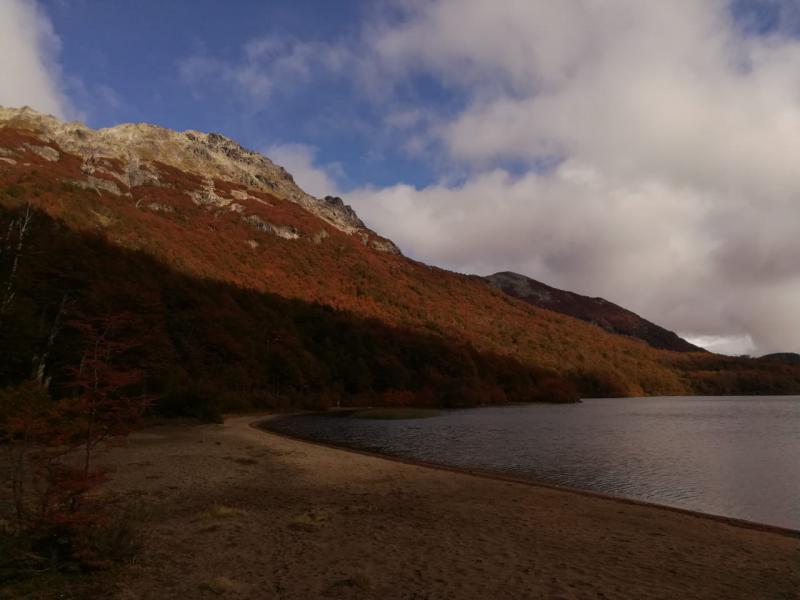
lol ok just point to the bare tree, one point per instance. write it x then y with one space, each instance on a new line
40 359
12 247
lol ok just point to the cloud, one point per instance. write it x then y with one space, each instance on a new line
672 132
29 73
265 66
299 159
642 151
732 345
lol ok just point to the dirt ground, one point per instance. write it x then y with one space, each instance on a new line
231 511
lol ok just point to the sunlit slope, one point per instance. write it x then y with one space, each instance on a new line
210 228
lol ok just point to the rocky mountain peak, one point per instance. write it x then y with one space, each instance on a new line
210 155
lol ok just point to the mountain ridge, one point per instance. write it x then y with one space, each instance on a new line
789 358
255 299
210 155
599 311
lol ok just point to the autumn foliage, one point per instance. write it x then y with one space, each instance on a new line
234 317
51 444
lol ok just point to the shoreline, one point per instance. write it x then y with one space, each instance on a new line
235 511
497 476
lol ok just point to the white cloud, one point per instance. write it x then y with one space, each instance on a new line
29 74
679 135
299 160
673 128
265 66
732 345
572 228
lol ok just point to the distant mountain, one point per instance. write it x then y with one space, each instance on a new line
246 292
607 315
788 358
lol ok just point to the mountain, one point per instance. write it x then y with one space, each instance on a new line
789 358
233 289
121 159
607 315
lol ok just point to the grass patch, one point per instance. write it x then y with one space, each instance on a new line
310 521
242 460
359 581
220 511
47 583
221 585
396 413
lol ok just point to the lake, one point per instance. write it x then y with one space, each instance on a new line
732 456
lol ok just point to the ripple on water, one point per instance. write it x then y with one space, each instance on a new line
737 457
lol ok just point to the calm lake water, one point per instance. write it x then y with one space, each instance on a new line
738 457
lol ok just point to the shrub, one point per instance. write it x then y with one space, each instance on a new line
557 390
51 446
14 191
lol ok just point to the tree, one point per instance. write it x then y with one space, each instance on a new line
52 445
107 402
12 246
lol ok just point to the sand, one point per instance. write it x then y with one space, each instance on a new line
235 512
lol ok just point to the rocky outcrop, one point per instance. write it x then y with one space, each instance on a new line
601 312
286 232
384 245
46 152
136 148
207 196
99 184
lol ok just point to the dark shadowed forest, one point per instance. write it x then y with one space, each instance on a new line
208 346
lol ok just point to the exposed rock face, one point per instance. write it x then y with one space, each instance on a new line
605 314
286 232
213 156
160 207
97 184
207 195
320 236
46 152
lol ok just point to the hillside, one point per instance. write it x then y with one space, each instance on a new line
599 311
789 358
241 290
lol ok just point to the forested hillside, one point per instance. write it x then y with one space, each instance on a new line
599 311
239 297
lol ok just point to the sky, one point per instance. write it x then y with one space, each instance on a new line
644 152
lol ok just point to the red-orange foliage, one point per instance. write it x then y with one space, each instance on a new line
51 444
219 301
553 389
102 407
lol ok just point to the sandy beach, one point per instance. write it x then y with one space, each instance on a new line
232 511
